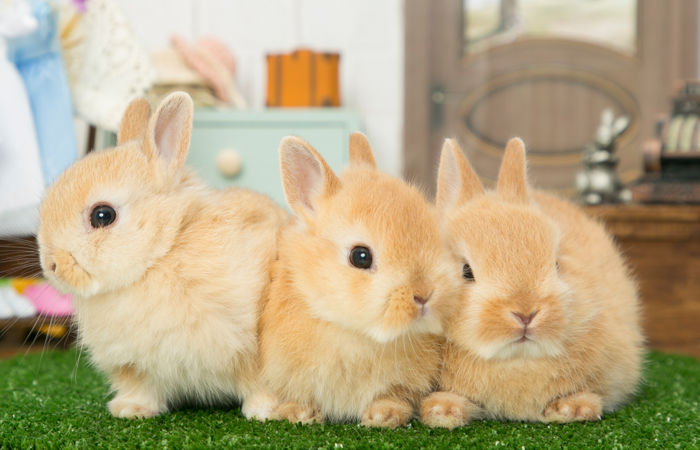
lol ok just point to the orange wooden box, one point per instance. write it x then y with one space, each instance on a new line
303 78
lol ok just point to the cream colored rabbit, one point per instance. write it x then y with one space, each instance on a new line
359 293
168 275
548 327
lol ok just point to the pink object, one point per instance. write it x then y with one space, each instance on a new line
212 61
80 5
48 301
219 50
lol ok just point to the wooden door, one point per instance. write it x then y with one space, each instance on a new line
547 89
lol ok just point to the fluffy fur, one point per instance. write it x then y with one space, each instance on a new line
340 343
549 329
168 297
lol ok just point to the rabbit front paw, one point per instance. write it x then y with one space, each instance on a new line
258 407
296 413
129 409
387 413
581 406
447 410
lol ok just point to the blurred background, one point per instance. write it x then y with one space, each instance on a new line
603 92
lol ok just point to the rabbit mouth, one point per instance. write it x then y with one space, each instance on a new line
424 312
526 336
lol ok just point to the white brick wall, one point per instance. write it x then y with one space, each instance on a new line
367 33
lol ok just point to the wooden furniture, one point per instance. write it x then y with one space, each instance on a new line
233 147
19 336
662 245
220 138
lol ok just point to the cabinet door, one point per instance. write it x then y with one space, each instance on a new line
257 146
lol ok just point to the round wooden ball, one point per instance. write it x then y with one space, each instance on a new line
229 162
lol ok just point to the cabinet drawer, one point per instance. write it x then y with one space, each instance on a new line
255 138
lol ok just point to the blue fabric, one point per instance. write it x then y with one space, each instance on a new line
49 97
38 60
43 41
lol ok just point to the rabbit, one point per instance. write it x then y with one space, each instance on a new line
548 324
168 275
360 291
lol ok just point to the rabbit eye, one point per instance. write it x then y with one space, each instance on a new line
361 257
467 272
102 216
557 264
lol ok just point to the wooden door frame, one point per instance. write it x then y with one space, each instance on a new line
417 83
424 65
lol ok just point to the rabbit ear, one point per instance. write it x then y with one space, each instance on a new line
134 120
305 175
457 182
512 177
360 150
170 129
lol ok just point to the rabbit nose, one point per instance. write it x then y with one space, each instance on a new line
51 263
525 320
420 300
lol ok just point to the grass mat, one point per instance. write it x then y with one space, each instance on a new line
49 402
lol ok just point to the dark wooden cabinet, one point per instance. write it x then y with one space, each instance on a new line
662 245
36 334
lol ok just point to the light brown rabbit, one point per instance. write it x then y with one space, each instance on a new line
548 327
168 275
359 293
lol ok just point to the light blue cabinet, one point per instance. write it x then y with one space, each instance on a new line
254 137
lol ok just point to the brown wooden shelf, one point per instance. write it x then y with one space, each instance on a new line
19 257
662 245
19 336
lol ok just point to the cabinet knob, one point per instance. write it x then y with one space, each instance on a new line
229 162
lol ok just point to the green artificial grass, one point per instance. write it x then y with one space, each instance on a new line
49 402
